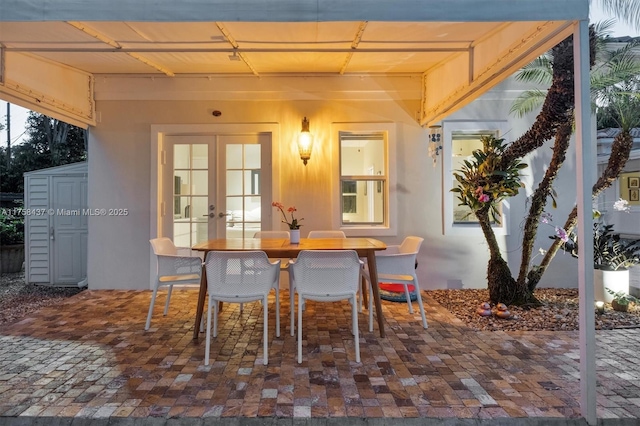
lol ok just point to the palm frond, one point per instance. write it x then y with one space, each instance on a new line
538 71
527 102
628 11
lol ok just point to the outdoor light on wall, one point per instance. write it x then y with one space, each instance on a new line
305 142
435 142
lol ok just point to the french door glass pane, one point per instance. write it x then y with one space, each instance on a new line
200 156
191 197
200 183
252 156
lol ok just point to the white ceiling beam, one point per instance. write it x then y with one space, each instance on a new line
354 45
236 48
461 91
107 40
45 49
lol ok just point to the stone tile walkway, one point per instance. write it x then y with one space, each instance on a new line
90 358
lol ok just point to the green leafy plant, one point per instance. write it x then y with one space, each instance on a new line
612 253
11 227
622 298
486 180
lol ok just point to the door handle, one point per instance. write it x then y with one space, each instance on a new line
211 215
222 214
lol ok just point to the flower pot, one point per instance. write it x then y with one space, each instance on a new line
294 236
11 258
613 280
619 307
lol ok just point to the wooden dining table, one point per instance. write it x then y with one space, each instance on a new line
283 248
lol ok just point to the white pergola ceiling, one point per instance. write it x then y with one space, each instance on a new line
460 48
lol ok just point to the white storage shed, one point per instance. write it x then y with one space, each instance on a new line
55 202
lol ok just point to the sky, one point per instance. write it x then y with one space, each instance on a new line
19 114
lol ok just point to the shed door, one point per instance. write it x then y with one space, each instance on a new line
69 233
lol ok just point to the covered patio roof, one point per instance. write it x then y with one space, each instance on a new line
51 54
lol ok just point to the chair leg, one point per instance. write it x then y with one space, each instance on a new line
166 304
292 305
424 318
216 310
406 294
356 332
202 321
300 299
277 312
265 332
208 339
153 301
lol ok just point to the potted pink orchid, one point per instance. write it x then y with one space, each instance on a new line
293 223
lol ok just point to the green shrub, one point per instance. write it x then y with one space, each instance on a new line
11 226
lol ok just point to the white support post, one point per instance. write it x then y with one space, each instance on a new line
585 154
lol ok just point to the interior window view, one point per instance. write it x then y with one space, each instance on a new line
363 179
462 146
192 205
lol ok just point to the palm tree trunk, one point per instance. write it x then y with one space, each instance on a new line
559 103
620 149
502 286
539 198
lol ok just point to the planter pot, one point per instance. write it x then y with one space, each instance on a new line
613 280
619 307
294 236
11 258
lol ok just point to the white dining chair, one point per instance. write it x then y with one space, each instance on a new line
327 276
398 264
272 234
341 234
284 267
240 277
172 269
326 234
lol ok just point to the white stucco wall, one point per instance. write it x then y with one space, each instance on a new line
120 173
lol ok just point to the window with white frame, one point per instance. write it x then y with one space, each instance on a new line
364 206
363 177
460 139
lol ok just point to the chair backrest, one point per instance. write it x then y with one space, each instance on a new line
163 246
234 273
326 234
272 234
326 272
411 245
402 263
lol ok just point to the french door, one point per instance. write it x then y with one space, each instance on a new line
215 186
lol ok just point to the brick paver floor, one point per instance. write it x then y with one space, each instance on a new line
90 357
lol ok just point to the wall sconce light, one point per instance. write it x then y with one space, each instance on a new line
435 142
305 142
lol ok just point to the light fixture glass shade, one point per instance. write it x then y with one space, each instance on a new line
305 142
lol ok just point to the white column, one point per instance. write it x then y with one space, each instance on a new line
585 153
